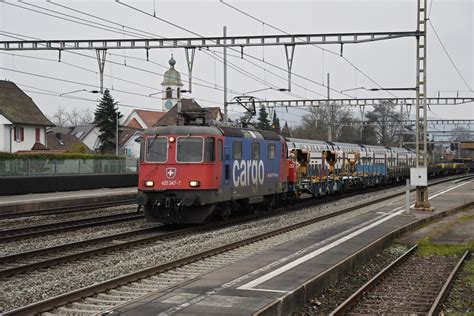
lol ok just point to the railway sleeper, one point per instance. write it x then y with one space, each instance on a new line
110 297
92 307
109 303
124 293
137 287
127 289
65 310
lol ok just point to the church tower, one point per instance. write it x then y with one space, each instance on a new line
171 86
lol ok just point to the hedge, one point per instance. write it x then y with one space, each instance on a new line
58 156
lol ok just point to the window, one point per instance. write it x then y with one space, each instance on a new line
156 149
255 151
209 150
178 93
237 150
189 149
169 93
37 135
271 151
219 150
18 134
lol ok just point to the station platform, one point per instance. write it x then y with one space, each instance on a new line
40 201
281 279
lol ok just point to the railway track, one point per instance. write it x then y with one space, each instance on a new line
46 229
105 295
48 257
410 285
66 209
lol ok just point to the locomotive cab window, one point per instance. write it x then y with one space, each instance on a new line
255 151
156 149
237 150
210 150
189 149
271 151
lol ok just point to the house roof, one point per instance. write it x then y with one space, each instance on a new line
126 134
18 107
149 117
82 131
60 141
189 105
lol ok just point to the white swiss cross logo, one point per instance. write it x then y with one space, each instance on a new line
170 173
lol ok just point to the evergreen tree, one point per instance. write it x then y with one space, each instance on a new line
285 131
105 117
263 122
276 123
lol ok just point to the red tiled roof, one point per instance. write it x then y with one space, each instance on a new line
149 117
134 124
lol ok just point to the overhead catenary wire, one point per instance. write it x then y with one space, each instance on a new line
449 56
199 35
210 86
119 31
321 48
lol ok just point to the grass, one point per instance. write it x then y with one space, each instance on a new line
427 248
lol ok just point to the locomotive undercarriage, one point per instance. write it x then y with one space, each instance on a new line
183 207
170 207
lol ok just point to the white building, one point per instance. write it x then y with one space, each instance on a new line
88 134
22 124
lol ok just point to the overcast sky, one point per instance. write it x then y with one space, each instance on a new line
387 63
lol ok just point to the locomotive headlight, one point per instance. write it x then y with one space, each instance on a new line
194 183
149 183
171 139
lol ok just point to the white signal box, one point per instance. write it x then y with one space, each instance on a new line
419 177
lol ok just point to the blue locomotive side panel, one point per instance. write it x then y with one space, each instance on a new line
251 167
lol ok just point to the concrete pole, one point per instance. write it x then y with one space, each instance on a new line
116 133
330 112
225 76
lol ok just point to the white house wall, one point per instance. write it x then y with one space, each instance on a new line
4 134
131 148
91 139
29 138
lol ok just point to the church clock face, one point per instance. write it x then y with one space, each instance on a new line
168 104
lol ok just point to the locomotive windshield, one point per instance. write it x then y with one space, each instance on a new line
156 149
189 149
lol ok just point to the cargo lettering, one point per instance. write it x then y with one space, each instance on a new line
248 172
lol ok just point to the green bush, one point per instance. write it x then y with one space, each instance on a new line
59 156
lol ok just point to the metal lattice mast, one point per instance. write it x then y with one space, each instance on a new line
422 202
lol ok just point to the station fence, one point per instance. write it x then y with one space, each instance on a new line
42 167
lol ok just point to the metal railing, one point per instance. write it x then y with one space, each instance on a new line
45 167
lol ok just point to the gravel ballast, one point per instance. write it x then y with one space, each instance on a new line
22 290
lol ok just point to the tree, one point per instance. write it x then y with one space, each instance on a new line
285 131
262 121
326 120
386 123
59 117
276 123
106 116
72 117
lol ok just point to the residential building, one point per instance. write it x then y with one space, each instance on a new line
88 134
22 124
